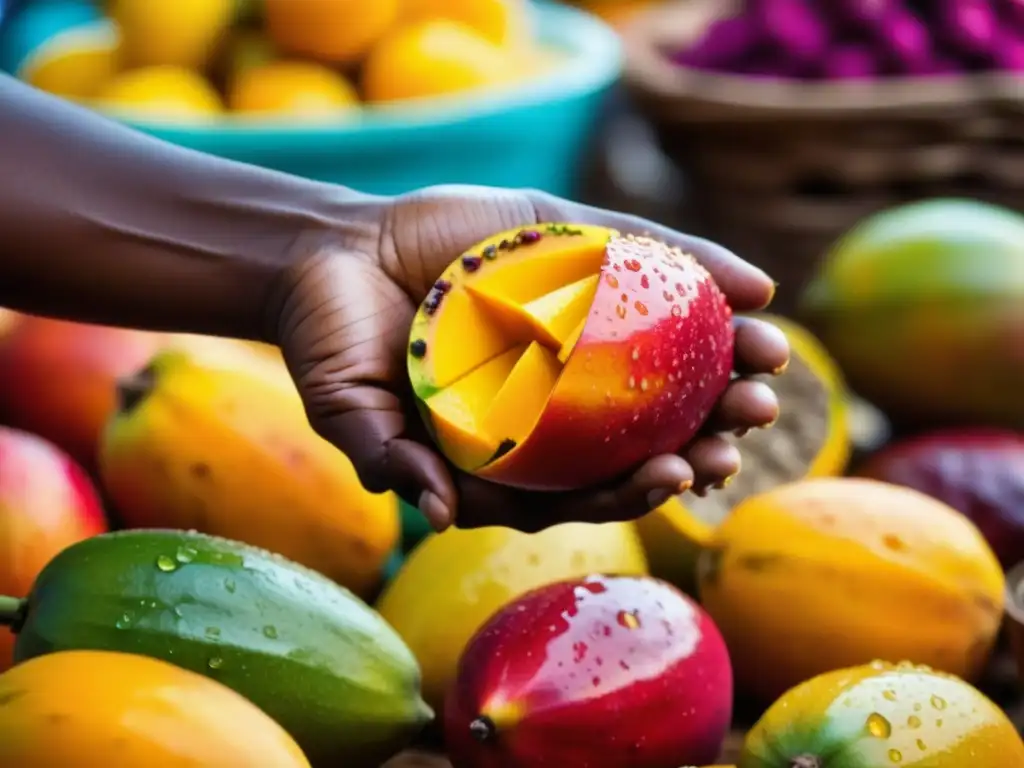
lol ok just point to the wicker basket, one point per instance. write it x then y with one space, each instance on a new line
778 170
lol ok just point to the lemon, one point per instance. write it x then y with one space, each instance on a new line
182 33
502 22
74 63
164 93
435 58
297 88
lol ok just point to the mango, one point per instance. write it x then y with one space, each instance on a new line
920 305
298 89
57 379
453 582
307 652
810 439
164 94
332 31
76 62
183 33
47 503
606 672
978 472
881 715
126 711
828 573
501 22
558 357
230 452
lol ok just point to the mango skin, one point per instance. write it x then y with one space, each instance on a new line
920 305
47 503
630 665
128 711
829 573
884 714
230 452
306 651
452 582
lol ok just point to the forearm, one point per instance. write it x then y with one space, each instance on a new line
100 223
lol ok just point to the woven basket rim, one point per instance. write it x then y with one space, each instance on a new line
683 94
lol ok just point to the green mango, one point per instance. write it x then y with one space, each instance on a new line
308 652
923 308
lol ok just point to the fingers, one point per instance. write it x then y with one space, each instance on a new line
714 460
760 347
746 287
744 405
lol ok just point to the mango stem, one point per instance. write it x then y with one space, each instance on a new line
12 612
806 761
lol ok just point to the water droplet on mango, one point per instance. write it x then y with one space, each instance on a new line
895 756
878 726
270 631
216 662
166 564
186 555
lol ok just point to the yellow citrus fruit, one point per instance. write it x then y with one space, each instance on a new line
163 93
297 88
502 22
182 33
434 58
884 715
337 31
74 63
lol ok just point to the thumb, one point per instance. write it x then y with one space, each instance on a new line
368 426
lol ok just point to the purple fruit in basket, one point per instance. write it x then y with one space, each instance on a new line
978 472
906 42
969 26
725 43
865 13
1008 54
795 27
851 62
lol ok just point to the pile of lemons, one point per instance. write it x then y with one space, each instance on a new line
297 59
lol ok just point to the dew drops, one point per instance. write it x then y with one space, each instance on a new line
667 296
644 282
126 620
230 586
878 726
166 564
611 280
677 311
212 631
938 702
635 353
215 662
270 632
921 745
895 756
186 555
889 695
632 265
913 721
644 385
628 619
631 383
620 310
641 308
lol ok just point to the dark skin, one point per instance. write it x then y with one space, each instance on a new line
101 224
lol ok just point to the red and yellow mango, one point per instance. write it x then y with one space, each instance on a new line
880 715
560 356
829 573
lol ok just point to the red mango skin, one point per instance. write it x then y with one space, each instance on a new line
655 355
979 472
57 379
47 503
607 672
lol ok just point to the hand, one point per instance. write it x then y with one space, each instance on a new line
343 325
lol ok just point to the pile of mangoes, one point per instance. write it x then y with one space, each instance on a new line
198 566
306 60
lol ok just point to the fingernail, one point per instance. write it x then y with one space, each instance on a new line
725 482
432 508
684 486
741 432
781 369
657 497
770 424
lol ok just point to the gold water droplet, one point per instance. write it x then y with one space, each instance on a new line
166 564
913 721
215 662
640 307
922 746
611 279
889 695
895 756
938 702
878 726
620 311
629 619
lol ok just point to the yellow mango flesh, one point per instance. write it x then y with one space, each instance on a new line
498 338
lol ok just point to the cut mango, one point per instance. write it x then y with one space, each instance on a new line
489 342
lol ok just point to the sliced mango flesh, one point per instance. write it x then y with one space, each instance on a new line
489 343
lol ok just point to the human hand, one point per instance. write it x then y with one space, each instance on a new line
343 318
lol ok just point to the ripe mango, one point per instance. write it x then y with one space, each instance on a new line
604 672
828 573
454 581
558 357
229 451
921 306
81 709
810 439
332 31
883 714
183 33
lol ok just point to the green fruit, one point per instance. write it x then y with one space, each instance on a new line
308 652
921 307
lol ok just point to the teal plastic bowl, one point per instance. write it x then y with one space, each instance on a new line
534 135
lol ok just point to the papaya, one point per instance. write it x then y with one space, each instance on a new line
810 439
920 305
306 651
454 581
81 709
827 573
228 451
